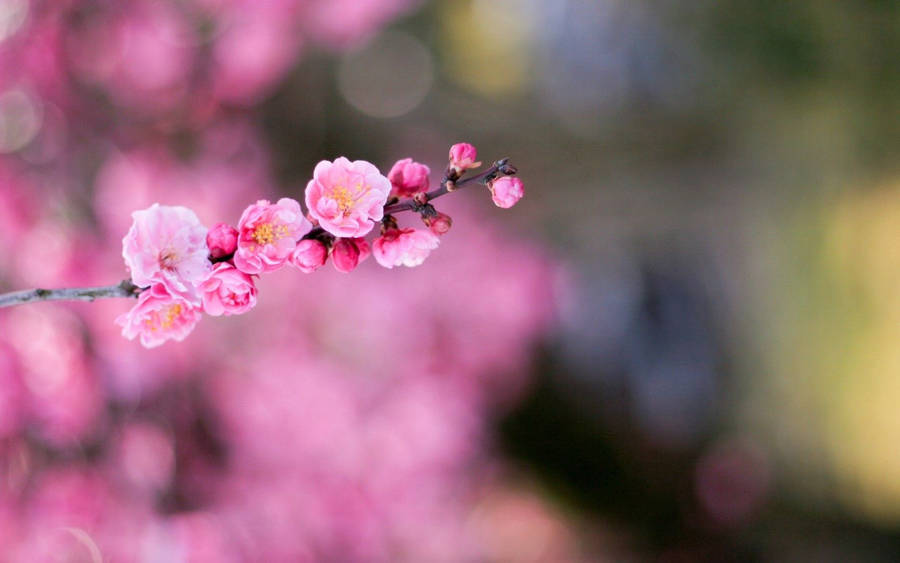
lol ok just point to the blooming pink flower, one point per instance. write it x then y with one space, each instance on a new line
462 157
160 315
506 191
347 253
166 245
227 291
404 247
346 197
408 178
268 234
221 240
309 255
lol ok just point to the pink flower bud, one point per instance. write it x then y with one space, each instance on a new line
309 256
227 291
347 253
462 157
506 191
364 249
439 224
408 178
404 247
221 240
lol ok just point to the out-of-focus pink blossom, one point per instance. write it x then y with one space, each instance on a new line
257 46
346 197
439 224
347 253
227 291
309 256
506 191
159 315
167 244
12 393
404 247
144 457
62 397
221 240
268 234
141 55
408 178
463 157
343 23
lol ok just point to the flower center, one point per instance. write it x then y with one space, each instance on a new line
346 199
266 233
164 319
167 259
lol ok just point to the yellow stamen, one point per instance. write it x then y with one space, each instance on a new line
163 319
267 234
346 199
263 234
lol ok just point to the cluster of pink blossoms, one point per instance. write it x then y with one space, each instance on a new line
183 269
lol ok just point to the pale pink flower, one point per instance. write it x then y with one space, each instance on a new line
462 157
309 256
506 191
268 234
160 315
221 240
404 247
167 244
227 291
346 197
408 178
347 253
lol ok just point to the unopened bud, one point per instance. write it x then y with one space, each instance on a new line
462 157
439 223
347 253
506 191
221 240
408 178
309 256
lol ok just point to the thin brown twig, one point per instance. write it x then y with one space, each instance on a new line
124 289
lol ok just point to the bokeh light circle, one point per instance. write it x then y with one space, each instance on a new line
387 78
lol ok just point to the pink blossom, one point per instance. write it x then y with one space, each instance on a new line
462 157
345 197
408 178
221 240
404 247
159 315
347 253
309 256
439 224
254 50
268 234
166 244
506 191
227 291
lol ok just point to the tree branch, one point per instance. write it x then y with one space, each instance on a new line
123 289
447 186
450 182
